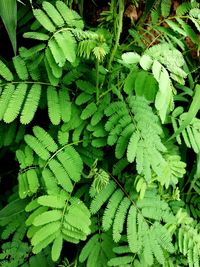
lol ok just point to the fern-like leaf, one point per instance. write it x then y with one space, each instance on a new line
119 220
99 200
110 211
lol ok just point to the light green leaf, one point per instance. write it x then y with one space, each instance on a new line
146 62
45 232
47 217
52 201
56 248
131 58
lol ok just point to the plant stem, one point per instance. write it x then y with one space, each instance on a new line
97 80
119 20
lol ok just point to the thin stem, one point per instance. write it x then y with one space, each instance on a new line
59 150
155 39
29 82
31 3
154 26
129 197
97 81
119 30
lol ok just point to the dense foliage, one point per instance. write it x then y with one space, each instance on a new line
101 137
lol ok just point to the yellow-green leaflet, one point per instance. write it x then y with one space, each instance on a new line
57 247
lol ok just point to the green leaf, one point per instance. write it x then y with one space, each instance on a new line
146 85
131 58
165 8
71 17
39 149
31 104
148 7
61 175
132 147
164 95
132 229
47 217
146 62
36 35
44 20
57 247
53 13
176 27
45 232
20 67
45 138
32 180
52 201
15 103
53 105
194 108
65 104
8 12
15 207
129 83
5 97
121 261
44 243
111 208
67 44
5 72
88 111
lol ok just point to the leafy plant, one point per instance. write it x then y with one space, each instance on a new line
101 129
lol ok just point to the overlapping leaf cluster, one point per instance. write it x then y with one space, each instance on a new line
101 140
